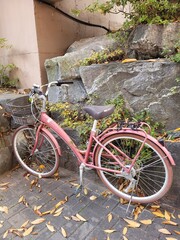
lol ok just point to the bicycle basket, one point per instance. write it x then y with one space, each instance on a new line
20 109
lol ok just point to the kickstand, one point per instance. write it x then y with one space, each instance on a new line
127 210
80 187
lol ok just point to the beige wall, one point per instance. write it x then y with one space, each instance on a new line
38 32
17 25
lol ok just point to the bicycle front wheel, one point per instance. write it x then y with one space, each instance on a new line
149 179
44 162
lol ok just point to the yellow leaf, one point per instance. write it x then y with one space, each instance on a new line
78 195
45 213
85 191
38 221
132 223
4 209
125 238
5 234
21 199
4 184
57 214
92 198
158 214
75 218
164 231
25 224
63 232
129 60
125 230
41 166
146 222
155 206
109 231
109 216
28 231
178 215
67 218
170 223
50 227
81 218
167 215
171 238
177 232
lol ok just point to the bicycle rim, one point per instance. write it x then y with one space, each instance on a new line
45 160
149 179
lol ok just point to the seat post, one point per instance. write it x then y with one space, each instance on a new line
94 126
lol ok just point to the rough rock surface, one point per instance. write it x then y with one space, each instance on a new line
143 85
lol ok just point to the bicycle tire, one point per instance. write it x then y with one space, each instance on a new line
149 179
45 160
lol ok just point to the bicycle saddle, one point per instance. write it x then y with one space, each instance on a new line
99 112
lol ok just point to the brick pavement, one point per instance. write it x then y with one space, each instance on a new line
23 194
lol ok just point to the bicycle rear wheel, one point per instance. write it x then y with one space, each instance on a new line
45 160
149 179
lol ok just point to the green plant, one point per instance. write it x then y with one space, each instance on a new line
74 117
103 56
144 11
5 70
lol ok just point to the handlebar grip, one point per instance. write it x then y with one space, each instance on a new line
59 82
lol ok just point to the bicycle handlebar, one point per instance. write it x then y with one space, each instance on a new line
36 90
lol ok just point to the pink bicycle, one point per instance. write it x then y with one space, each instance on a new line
132 164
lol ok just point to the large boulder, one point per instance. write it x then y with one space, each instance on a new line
153 41
143 85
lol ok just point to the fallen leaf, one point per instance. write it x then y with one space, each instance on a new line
5 234
1 225
21 199
45 213
125 238
178 215
167 215
109 231
67 218
50 227
177 232
146 222
125 230
75 218
85 191
92 198
63 232
38 221
164 231
170 223
129 60
109 216
25 224
158 214
4 184
4 209
81 218
132 223
28 231
171 238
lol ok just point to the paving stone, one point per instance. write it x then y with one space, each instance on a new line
95 212
82 231
96 234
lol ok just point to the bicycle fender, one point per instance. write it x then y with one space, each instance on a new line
138 133
50 135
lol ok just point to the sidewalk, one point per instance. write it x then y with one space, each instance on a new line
59 215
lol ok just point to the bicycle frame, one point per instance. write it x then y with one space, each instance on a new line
83 156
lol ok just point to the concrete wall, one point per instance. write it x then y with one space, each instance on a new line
17 25
38 32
